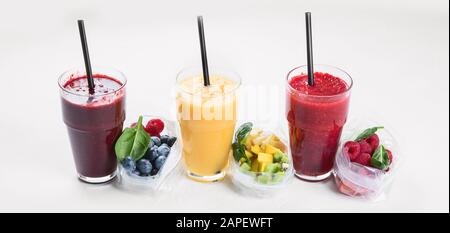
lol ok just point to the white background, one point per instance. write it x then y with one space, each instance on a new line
396 52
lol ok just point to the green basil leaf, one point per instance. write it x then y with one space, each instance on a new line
380 158
243 131
238 151
368 132
133 142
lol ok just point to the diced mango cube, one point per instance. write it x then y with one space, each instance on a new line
269 149
254 165
262 167
248 154
256 149
265 158
279 144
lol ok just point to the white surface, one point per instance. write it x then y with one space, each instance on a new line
397 54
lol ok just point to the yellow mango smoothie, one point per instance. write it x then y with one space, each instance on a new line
207 117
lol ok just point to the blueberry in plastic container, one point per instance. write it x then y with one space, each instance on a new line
164 138
151 154
156 141
171 141
144 166
159 162
163 150
128 163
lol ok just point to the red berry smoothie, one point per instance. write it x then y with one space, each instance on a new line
316 115
94 122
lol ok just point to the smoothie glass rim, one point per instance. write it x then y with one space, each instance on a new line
216 71
122 79
350 84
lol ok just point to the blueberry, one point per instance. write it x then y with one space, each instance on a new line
151 144
163 150
128 163
164 138
159 162
156 141
151 154
154 172
171 141
144 166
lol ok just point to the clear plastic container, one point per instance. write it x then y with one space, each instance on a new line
359 181
133 182
246 181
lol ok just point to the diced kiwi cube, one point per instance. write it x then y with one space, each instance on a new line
242 160
264 178
273 168
278 156
284 159
245 167
278 177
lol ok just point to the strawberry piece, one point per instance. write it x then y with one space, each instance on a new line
154 127
363 159
351 150
374 141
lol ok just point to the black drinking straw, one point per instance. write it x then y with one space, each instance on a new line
309 49
87 61
201 34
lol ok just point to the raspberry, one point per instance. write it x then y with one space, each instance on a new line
390 155
365 147
363 159
154 127
351 150
374 141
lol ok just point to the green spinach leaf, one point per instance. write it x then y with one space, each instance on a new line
133 142
238 151
243 131
367 133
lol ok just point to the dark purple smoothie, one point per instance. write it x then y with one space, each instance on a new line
94 123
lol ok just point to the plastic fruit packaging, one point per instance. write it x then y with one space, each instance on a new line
261 164
354 175
161 157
